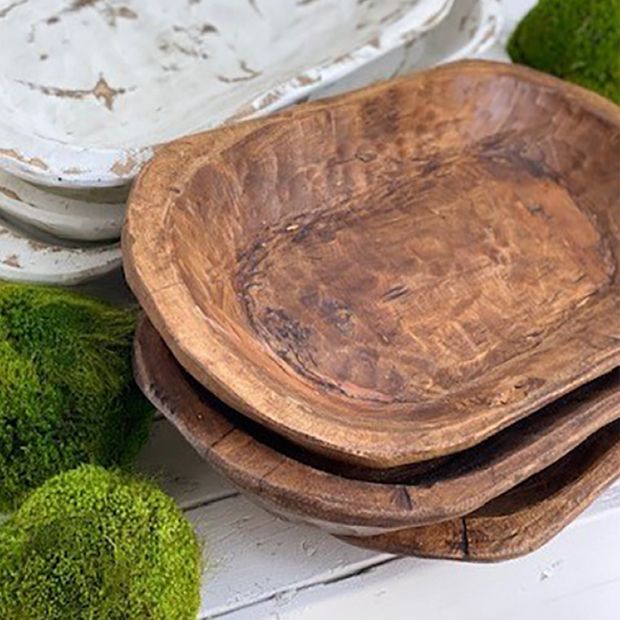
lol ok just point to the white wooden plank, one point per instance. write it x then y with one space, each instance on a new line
251 555
179 470
608 500
577 575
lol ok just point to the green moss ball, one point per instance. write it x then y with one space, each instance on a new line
67 394
101 545
578 40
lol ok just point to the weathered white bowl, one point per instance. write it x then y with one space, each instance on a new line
470 29
90 87
26 256
84 215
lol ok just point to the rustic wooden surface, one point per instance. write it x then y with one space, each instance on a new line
397 273
261 568
524 518
342 500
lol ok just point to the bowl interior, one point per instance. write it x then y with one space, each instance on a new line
390 254
437 250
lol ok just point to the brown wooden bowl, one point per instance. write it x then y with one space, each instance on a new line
521 520
394 274
297 484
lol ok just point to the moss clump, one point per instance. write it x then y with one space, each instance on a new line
97 544
578 40
67 394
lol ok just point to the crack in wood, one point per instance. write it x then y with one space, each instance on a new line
231 430
377 562
464 538
253 4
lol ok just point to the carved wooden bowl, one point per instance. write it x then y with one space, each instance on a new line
297 484
394 274
521 520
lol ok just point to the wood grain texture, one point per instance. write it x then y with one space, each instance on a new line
395 274
522 519
293 482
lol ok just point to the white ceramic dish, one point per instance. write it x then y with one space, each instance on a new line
86 215
93 85
470 29
29 257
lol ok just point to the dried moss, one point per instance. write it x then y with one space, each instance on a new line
578 40
67 394
94 544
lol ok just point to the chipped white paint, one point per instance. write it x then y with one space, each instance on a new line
471 28
85 215
26 256
148 72
581 565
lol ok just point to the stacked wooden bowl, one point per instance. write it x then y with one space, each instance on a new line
395 314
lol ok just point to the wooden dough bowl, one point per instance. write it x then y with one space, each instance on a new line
394 274
521 520
299 485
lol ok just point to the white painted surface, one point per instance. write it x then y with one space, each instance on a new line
172 462
27 256
260 567
56 236
575 577
470 28
148 72
89 215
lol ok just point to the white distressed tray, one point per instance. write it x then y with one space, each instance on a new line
84 215
26 256
470 28
91 86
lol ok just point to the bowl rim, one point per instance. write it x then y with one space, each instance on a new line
485 536
331 499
